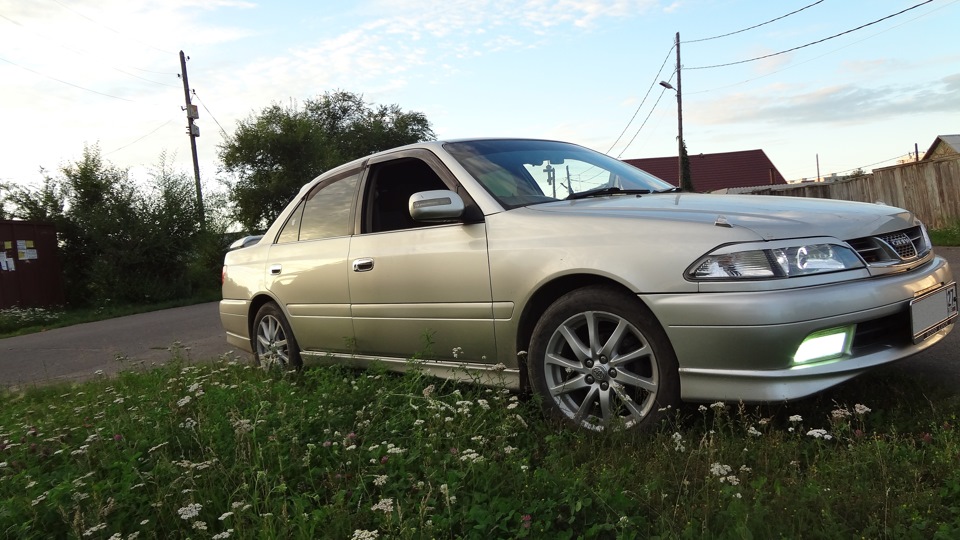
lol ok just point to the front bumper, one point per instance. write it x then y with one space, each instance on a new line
739 346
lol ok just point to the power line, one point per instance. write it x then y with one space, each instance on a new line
139 138
657 76
813 42
756 25
80 52
863 167
210 113
109 28
796 64
64 82
644 121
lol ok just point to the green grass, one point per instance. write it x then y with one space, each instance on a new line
948 236
221 450
18 321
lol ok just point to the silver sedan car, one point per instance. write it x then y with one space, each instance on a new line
549 267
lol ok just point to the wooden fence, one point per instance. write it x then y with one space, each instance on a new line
929 189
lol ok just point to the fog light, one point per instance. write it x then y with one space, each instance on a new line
824 345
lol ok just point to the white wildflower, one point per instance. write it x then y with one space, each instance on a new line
380 480
861 409
385 505
719 469
731 479
360 534
678 442
819 434
92 530
840 413
753 431
190 511
796 418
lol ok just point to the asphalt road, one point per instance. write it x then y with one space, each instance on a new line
78 352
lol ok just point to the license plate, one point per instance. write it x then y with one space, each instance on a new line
933 311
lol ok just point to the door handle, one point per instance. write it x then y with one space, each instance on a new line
275 269
363 265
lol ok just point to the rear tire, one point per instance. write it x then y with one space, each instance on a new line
599 359
273 342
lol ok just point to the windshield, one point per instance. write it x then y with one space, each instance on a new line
524 172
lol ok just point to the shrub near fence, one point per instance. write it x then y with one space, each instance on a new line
929 189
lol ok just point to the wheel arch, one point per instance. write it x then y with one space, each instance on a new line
547 294
256 303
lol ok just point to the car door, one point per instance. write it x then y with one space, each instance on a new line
417 288
307 272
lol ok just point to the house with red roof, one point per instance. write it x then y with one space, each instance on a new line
712 172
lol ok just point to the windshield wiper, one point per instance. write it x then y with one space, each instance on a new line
671 190
599 192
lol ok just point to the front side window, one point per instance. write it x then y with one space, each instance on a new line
389 189
523 172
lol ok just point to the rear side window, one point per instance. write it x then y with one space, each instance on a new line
291 229
324 213
327 211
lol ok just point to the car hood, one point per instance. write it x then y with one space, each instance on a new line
769 217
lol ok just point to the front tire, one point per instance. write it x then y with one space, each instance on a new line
273 342
600 360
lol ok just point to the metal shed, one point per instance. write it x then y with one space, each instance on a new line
29 266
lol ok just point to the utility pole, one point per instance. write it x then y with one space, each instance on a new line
680 148
193 131
684 182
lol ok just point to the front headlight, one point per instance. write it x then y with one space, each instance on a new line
787 261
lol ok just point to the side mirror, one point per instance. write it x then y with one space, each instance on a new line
436 205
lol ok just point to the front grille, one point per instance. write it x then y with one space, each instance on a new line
900 246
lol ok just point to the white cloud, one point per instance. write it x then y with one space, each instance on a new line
845 103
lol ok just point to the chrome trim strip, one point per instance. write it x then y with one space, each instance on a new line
484 374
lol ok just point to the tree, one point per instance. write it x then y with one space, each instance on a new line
857 173
278 150
117 242
686 180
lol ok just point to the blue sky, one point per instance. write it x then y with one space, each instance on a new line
104 72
